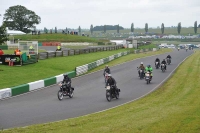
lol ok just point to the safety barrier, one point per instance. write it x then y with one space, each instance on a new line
46 55
85 68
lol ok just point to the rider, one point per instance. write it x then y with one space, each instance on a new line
67 81
106 70
157 60
141 67
164 62
150 69
111 82
169 58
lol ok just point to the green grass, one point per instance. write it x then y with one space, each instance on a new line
55 37
172 108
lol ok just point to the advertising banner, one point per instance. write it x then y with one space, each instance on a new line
5 59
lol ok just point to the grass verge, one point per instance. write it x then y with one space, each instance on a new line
174 107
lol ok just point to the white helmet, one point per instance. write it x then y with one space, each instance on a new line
141 63
109 75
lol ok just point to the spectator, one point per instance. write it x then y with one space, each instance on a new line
16 50
1 52
19 52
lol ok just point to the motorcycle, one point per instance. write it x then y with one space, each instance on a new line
141 73
111 93
168 61
148 77
65 91
106 77
157 65
163 67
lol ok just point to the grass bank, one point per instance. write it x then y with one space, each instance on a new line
55 37
173 108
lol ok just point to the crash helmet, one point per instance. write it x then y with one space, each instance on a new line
65 75
148 65
141 63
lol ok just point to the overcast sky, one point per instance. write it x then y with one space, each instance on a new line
75 13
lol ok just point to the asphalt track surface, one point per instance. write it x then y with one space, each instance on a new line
43 106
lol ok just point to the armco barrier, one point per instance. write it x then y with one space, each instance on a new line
111 57
72 74
83 69
20 89
49 81
5 93
99 62
36 85
92 65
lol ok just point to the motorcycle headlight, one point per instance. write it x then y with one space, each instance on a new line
108 87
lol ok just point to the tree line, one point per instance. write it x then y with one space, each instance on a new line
22 19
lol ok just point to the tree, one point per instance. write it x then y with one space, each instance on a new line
195 27
20 18
104 28
3 34
79 30
179 28
91 29
118 28
146 27
162 28
132 27
55 29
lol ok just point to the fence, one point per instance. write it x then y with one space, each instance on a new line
46 55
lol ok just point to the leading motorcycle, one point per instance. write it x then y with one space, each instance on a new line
111 93
148 77
65 90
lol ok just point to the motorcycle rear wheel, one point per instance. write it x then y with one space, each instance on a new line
60 95
117 95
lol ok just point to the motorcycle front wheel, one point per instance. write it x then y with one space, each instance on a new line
60 95
108 96
71 94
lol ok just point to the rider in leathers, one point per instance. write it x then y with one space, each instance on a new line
157 60
67 81
141 67
111 82
150 69
106 70
164 62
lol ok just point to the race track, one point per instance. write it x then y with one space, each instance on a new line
43 105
